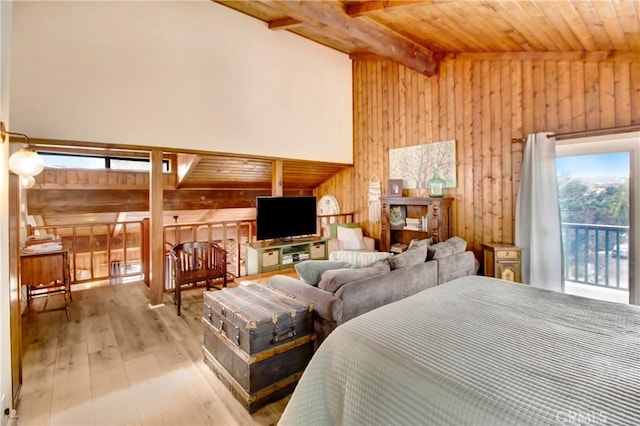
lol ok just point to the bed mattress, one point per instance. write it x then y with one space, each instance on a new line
479 351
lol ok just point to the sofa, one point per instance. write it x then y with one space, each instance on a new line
345 293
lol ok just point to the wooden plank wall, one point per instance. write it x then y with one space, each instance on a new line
482 101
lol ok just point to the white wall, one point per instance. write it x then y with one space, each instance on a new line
192 75
5 329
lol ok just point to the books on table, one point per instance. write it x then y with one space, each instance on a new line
42 244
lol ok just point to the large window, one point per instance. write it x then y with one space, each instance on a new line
73 161
596 177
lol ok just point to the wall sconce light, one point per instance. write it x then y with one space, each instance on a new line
27 181
23 162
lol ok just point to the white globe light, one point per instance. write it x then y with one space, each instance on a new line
26 163
27 181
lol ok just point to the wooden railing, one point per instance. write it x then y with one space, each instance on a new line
592 254
100 251
117 250
325 220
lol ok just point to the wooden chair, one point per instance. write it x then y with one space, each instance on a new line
196 262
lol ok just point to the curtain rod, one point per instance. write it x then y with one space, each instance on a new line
605 131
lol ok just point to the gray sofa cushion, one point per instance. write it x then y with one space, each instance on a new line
332 280
362 296
310 271
453 245
409 258
420 243
455 266
358 259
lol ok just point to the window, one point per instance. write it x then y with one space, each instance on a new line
596 177
73 161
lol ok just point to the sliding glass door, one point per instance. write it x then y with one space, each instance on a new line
598 208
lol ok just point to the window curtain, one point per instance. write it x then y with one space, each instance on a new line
538 229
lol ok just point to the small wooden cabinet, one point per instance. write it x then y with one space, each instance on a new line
264 257
436 211
46 273
502 261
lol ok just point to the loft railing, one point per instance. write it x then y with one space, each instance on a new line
593 255
116 250
99 251
323 222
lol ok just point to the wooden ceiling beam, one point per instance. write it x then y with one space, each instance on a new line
365 33
368 7
285 24
77 201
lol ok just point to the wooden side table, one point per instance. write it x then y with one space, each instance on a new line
502 261
46 273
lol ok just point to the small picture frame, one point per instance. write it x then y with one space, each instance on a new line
394 188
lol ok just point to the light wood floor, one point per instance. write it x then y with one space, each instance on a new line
119 362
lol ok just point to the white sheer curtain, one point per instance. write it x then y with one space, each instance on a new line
538 215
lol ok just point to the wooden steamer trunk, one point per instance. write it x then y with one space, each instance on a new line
257 341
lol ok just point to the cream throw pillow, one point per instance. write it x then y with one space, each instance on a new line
351 238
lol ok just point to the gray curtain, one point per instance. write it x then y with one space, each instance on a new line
538 230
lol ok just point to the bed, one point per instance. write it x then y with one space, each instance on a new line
480 351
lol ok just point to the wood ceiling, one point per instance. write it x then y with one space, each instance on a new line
418 33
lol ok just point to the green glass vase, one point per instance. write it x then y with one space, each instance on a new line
436 185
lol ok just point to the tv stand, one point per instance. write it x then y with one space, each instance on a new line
269 256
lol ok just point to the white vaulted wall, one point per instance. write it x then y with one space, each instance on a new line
187 74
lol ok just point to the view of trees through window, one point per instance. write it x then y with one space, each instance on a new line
584 201
593 192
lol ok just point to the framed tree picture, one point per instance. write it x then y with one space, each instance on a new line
415 165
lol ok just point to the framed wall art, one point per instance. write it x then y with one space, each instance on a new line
394 188
415 165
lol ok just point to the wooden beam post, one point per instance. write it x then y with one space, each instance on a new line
276 179
156 233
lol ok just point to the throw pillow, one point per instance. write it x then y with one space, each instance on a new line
351 238
453 245
334 279
420 243
333 228
310 271
409 258
358 259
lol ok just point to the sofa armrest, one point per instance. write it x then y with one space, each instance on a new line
456 266
325 304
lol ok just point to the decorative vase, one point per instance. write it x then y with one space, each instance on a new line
436 185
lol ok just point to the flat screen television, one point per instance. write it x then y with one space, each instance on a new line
285 217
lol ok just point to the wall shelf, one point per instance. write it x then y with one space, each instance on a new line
436 210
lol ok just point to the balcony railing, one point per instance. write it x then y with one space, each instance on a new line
593 255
